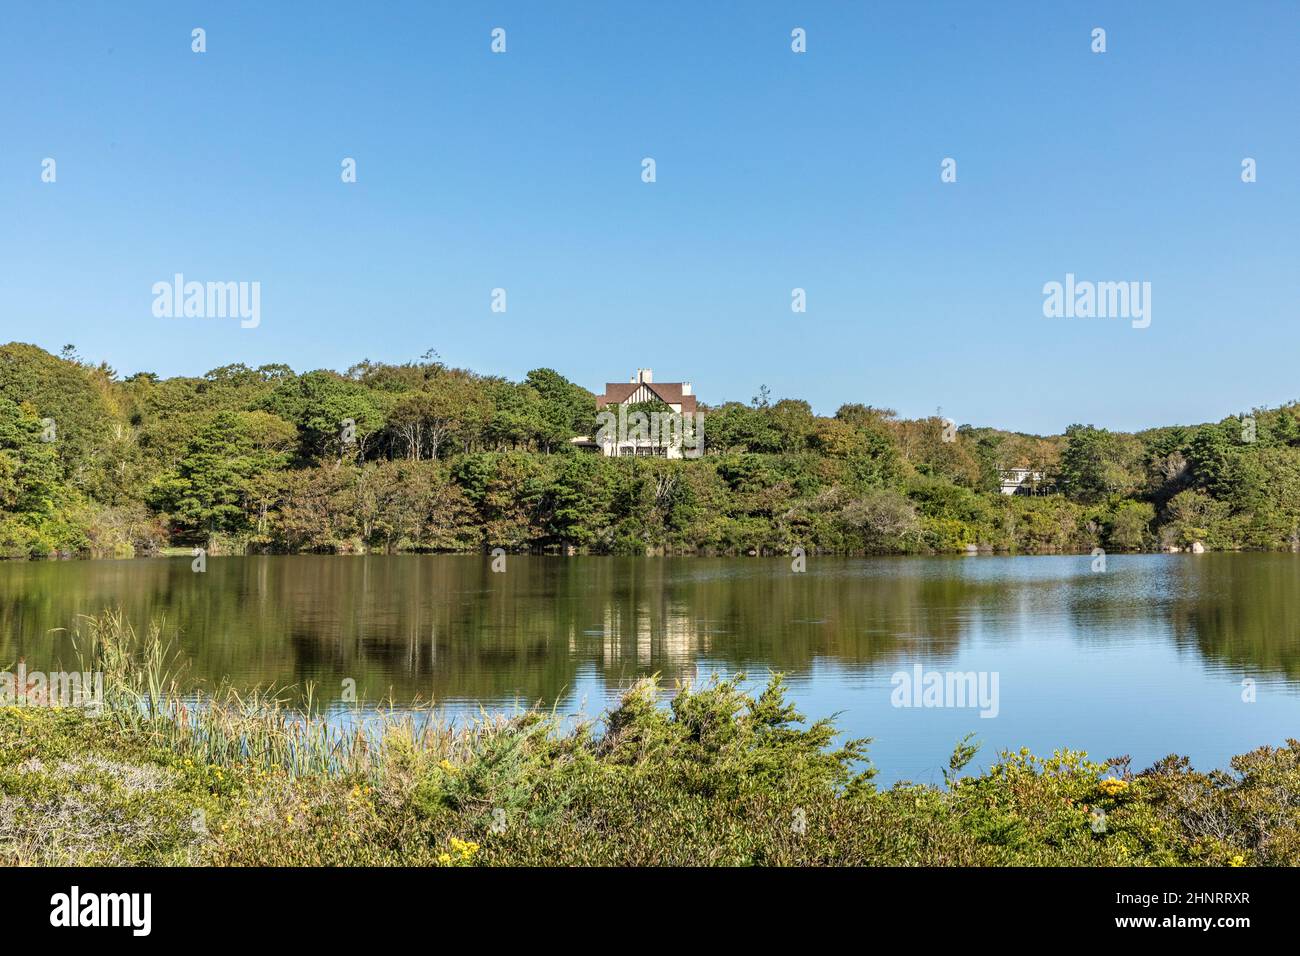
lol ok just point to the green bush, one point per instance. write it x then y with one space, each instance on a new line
713 776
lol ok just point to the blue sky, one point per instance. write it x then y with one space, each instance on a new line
774 171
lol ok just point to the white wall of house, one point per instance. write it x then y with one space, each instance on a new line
1016 478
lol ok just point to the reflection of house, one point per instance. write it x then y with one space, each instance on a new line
665 639
1023 481
656 437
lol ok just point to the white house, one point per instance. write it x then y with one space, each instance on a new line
661 439
1022 481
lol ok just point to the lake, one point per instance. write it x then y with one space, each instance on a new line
1145 658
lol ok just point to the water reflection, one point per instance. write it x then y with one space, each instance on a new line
1146 657
448 627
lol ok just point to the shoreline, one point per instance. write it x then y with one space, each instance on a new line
719 776
180 552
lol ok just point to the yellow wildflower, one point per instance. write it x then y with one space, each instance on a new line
464 848
1112 786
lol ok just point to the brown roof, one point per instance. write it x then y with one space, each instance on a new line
670 393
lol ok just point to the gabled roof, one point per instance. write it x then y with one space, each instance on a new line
670 393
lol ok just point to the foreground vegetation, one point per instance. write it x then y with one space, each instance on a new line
716 777
424 457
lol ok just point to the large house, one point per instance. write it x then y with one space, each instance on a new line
655 438
1024 481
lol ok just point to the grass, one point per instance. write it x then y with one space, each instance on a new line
168 776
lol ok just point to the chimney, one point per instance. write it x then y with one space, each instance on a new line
686 388
646 375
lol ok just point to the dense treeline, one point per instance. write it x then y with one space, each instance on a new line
422 456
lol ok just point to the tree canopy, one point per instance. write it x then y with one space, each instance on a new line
424 456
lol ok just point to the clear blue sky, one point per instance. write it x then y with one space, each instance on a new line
775 170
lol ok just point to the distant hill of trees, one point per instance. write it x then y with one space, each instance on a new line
424 457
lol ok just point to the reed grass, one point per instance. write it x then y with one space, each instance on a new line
146 691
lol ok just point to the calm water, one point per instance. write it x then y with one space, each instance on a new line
1146 658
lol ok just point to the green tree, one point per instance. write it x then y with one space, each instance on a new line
320 404
1095 464
566 410
210 490
33 499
